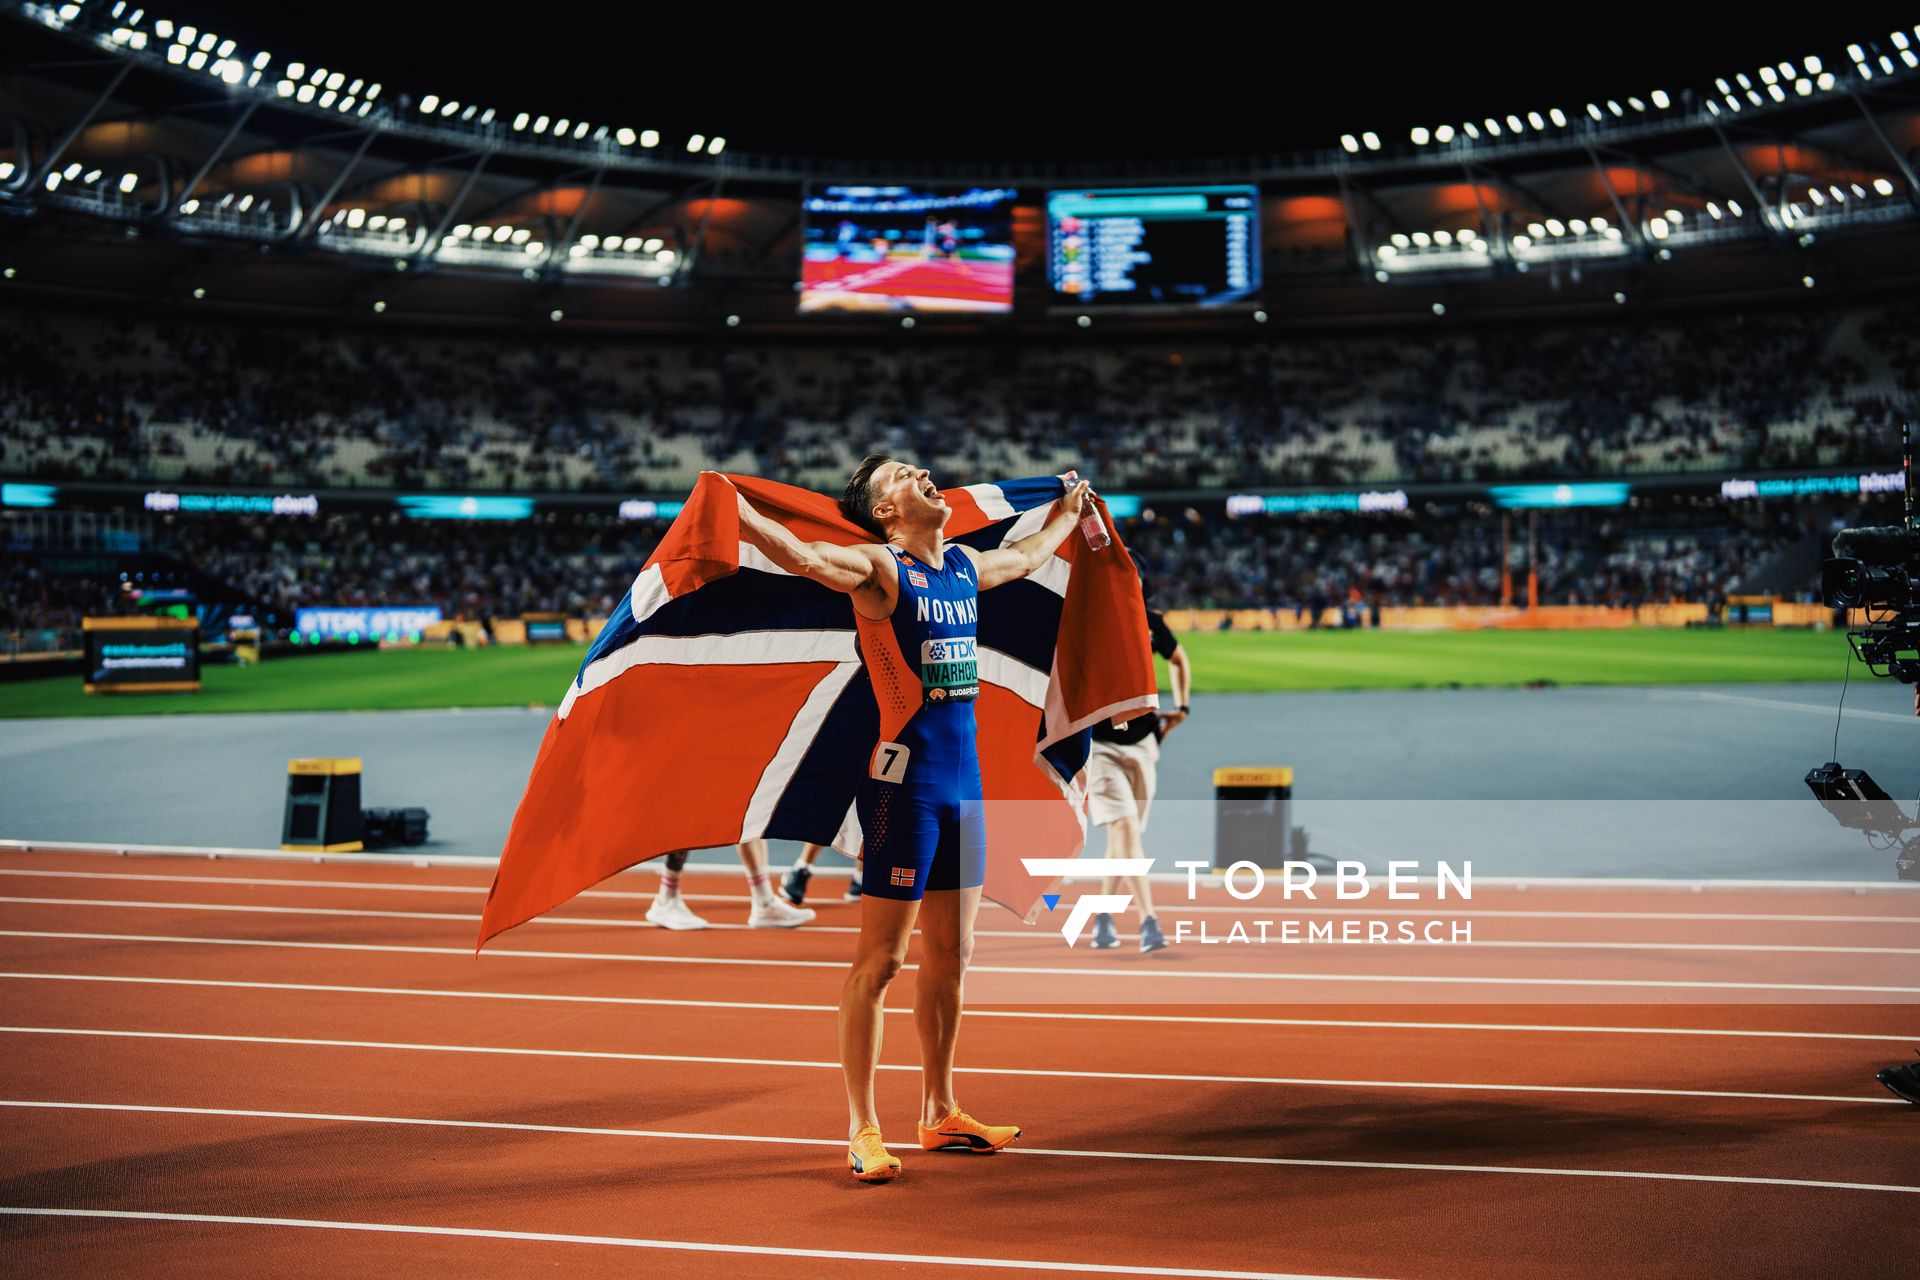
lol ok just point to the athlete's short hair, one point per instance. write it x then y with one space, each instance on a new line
856 504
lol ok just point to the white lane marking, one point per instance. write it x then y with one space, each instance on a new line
636 1242
743 899
1537 944
1420 979
1153 1076
1697 695
1034 1014
1168 1157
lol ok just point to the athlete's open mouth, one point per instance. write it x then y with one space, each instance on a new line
932 490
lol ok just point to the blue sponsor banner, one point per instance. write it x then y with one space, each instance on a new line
648 509
1737 489
369 623
27 495
1122 505
456 506
1291 504
1523 497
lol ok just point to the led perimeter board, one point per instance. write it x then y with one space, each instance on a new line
1153 248
897 250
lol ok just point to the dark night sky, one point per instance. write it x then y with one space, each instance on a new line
831 80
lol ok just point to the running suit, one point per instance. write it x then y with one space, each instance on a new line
921 813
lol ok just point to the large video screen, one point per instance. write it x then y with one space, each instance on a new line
901 250
1153 247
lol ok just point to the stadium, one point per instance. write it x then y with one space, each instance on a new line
461 792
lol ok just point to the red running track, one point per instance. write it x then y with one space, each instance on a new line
226 1067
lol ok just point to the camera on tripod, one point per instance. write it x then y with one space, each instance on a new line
1877 570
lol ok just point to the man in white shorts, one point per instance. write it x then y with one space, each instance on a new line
1121 779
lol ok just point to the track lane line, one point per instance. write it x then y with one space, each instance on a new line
1032 934
1392 979
635 1242
1032 1072
1405 1166
1036 1014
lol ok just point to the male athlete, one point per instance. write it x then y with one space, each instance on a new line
915 604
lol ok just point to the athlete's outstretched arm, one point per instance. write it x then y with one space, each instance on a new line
1005 564
842 568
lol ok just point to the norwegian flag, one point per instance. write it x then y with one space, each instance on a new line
725 700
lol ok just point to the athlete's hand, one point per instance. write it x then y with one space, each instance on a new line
1171 721
1077 499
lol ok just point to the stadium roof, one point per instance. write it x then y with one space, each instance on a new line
154 160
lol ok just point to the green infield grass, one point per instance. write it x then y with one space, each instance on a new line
1224 662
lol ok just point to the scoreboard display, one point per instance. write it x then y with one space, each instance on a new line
1153 248
142 655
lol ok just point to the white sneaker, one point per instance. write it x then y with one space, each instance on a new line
673 913
778 915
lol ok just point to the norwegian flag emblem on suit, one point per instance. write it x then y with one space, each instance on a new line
725 700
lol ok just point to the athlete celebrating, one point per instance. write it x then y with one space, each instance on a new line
915 604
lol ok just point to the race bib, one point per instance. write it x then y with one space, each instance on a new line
950 669
890 761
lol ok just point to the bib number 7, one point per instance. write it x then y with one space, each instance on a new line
889 763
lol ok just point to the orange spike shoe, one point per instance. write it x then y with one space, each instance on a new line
869 1160
961 1132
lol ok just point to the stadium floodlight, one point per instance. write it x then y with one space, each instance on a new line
53 182
1803 87
1555 227
1619 299
1838 194
1880 185
1812 63
1537 231
1908 56
93 176
1613 234
1899 39
1660 99
448 108
1598 222
733 322
534 248
1419 135
696 142
1400 240
461 232
471 111
521 235
481 233
207 41
378 307
502 233
715 147
326 99
1658 228
1615 108
190 208
1444 239
6 169
666 257
1578 226
580 131
560 127
376 222
1382 276
1855 52
356 218
296 70
590 241
1806 282
1713 210
1513 124
396 224
1636 104
163 27
234 73
1370 140
71 172
1350 143
1444 134
652 245
1675 217
1492 127
1535 119
429 104
649 137
1733 207
199 293
540 125
1439 308
631 244
625 137
556 315
1387 253
337 81
1471 130
246 202
176 54
1775 92
1767 76
1085 322
305 93
373 91
1593 109
577 251
1421 239
1558 117
520 121
318 77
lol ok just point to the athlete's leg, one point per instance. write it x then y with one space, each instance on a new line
1124 841
946 946
885 926
768 911
668 909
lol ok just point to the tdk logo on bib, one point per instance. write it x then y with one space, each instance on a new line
950 669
